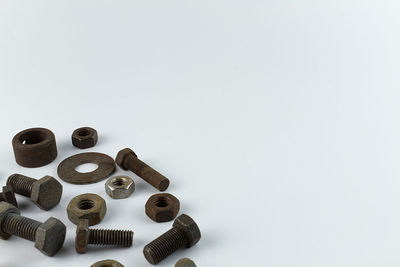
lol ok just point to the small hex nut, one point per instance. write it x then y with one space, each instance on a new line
87 206
84 137
162 207
120 187
6 208
185 262
107 263
50 236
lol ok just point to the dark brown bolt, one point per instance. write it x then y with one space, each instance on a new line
45 192
85 236
184 234
48 236
128 160
8 195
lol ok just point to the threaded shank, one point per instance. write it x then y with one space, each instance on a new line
110 237
163 246
21 184
20 226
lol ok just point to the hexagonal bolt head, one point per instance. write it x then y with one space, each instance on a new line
189 227
185 262
46 193
107 263
87 206
84 137
120 187
162 207
82 236
50 236
8 195
122 155
6 208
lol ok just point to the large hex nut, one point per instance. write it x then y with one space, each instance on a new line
87 206
120 187
84 137
162 207
107 263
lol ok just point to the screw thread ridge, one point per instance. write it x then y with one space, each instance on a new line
20 226
110 237
165 245
21 184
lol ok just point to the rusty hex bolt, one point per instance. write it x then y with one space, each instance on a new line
184 234
128 160
85 236
45 192
48 236
8 195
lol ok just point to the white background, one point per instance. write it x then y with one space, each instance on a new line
276 121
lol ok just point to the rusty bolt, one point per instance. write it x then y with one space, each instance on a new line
87 206
85 236
128 160
48 236
45 192
162 207
8 195
184 233
84 137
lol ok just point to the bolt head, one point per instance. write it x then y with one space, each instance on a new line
50 236
6 208
122 155
9 196
189 227
82 236
46 193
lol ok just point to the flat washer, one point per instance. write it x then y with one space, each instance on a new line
66 169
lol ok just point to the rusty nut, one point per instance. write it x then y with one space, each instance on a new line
107 263
162 207
84 137
87 206
120 187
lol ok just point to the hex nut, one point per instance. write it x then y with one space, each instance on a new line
120 187
87 206
50 236
162 207
107 263
84 137
185 262
6 208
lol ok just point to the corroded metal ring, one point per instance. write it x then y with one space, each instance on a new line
66 169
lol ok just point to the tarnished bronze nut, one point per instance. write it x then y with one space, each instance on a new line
120 187
107 263
87 206
185 262
162 207
84 137
34 147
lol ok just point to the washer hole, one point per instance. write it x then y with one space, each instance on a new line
86 204
161 202
86 167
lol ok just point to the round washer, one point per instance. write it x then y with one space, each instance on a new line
66 169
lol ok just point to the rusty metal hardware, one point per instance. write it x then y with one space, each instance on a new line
66 169
45 192
185 262
85 236
34 147
107 263
128 160
84 137
162 207
8 195
119 187
48 236
184 234
87 206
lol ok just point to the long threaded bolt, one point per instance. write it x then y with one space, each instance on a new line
8 195
48 236
184 234
45 192
86 236
128 160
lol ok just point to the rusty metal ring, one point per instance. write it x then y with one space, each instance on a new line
66 169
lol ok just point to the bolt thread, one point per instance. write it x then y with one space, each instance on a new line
165 245
21 184
21 226
110 237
